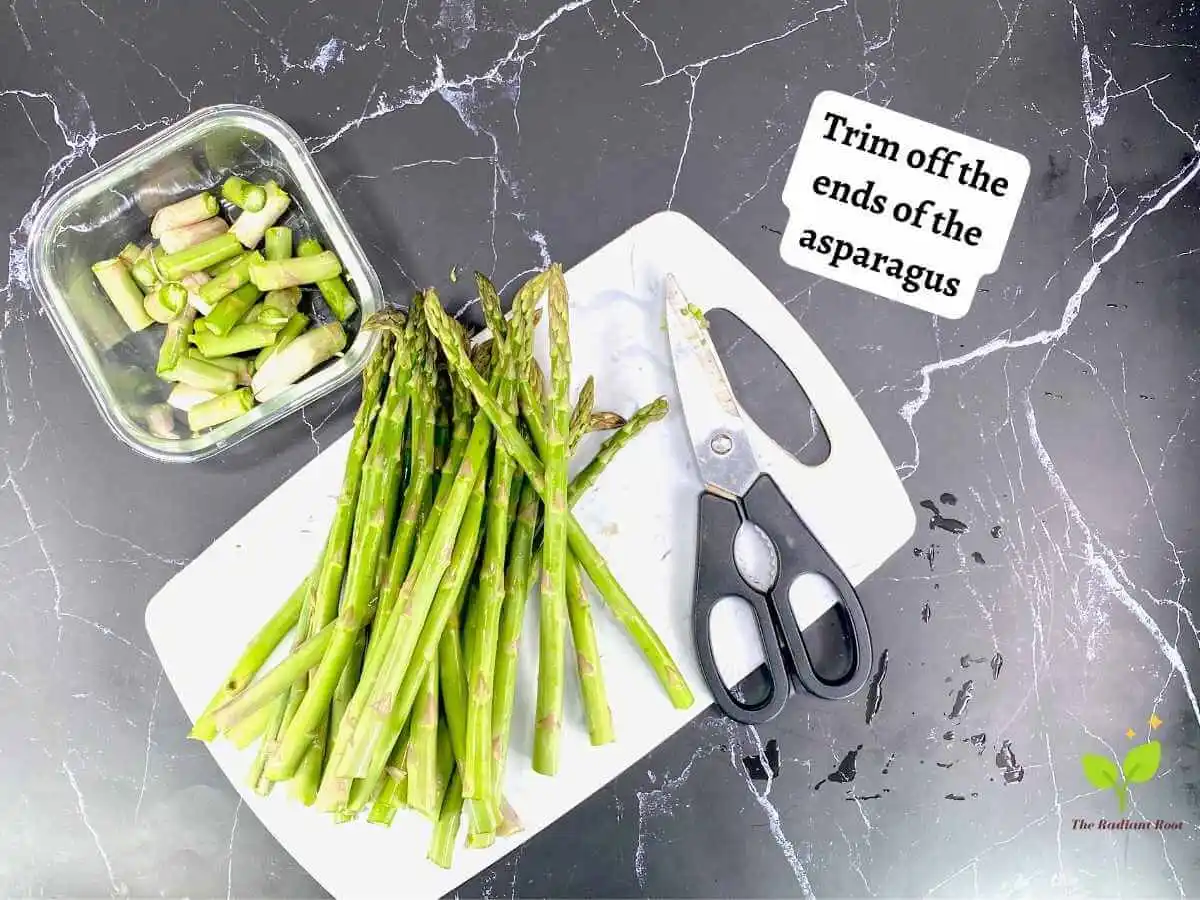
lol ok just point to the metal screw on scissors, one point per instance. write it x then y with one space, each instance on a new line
737 490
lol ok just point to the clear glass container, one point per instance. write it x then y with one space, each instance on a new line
94 217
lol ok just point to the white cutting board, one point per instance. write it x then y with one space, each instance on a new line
642 516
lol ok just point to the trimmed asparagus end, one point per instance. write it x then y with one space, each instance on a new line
167 302
221 409
293 329
129 253
277 242
160 421
117 282
186 212
190 235
287 366
193 283
285 300
251 227
201 256
284 273
244 195
184 396
238 340
201 374
337 296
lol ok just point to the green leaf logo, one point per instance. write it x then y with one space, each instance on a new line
1141 762
1140 765
1101 771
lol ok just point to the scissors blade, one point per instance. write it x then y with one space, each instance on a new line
714 420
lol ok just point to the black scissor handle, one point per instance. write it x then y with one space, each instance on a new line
717 577
801 553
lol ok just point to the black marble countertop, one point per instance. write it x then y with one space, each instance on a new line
1056 424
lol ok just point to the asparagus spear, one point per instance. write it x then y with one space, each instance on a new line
276 682
478 782
493 312
241 193
445 833
123 291
145 269
372 523
587 658
239 340
220 409
175 341
256 652
250 729
277 243
201 256
551 645
516 592
295 327
585 551
250 227
186 212
333 288
190 235
422 747
652 412
282 273
287 366
581 415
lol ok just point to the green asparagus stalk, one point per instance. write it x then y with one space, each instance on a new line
255 654
175 342
303 354
512 620
552 646
478 782
215 292
225 265
244 195
123 291
190 235
220 409
587 658
372 524
383 713
239 340
283 707
276 682
201 256
186 212
250 729
283 273
277 243
420 479
183 396
652 412
333 288
422 747
166 301
493 312
250 227
203 375
242 368
295 327
445 833
581 545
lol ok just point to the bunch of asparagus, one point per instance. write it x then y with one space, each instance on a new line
234 332
399 688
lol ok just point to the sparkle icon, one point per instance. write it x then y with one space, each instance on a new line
1130 733
1155 721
